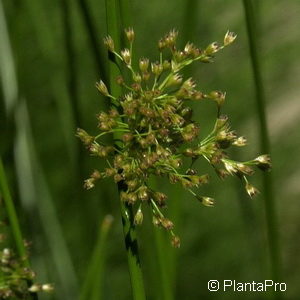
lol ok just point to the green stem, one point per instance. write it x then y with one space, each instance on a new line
12 215
131 245
270 209
92 286
13 221
94 39
113 16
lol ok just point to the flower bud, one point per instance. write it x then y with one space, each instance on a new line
188 49
263 162
123 196
206 201
244 169
89 183
102 88
156 221
143 64
175 241
221 121
118 178
109 43
84 136
251 190
230 167
175 79
229 38
171 37
167 224
137 78
110 172
156 68
212 48
129 34
189 152
143 194
218 97
96 175
131 198
166 65
197 95
126 56
240 142
132 184
138 218
34 288
161 44
48 288
160 198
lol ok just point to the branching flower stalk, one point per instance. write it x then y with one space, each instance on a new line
157 132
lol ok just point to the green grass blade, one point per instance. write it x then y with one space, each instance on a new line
113 29
35 195
166 259
10 91
71 62
270 209
12 215
7 74
47 41
165 263
94 38
92 288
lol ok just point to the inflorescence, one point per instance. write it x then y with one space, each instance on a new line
15 279
154 130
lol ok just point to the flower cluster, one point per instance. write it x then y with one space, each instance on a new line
153 125
15 278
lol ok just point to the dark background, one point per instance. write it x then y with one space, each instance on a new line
48 90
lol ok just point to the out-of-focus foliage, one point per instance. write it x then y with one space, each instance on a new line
56 94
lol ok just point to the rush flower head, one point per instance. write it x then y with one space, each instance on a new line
156 132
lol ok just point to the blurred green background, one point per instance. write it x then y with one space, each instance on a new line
51 55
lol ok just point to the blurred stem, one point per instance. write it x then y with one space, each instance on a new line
72 79
70 55
93 283
190 19
14 222
48 40
164 271
12 215
166 258
113 29
94 38
270 210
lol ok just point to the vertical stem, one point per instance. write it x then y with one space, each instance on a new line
70 56
113 29
93 35
14 222
165 259
270 210
93 283
12 215
132 249
165 279
72 79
